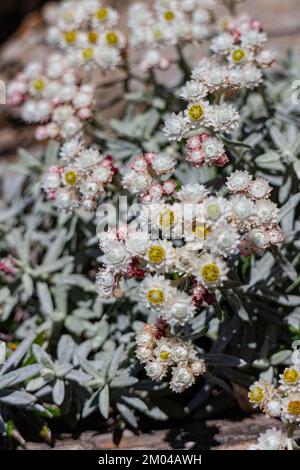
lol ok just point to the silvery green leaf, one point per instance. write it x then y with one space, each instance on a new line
123 379
267 375
278 138
157 414
58 392
90 405
261 269
56 248
28 284
268 157
2 352
28 159
45 299
61 263
52 152
223 360
4 294
135 402
284 190
17 356
127 414
16 397
65 348
280 357
2 426
104 402
78 376
116 361
289 206
42 356
296 165
35 384
78 280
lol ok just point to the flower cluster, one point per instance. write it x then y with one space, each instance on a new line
181 248
281 402
144 176
160 352
207 113
86 31
169 22
52 95
81 177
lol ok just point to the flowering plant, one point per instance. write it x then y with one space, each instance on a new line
101 308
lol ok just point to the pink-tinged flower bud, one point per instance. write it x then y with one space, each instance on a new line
222 160
204 137
169 187
41 133
257 25
149 157
194 143
85 113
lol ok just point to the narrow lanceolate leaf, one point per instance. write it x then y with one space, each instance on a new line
17 355
116 361
58 392
223 360
104 402
65 348
18 376
127 414
43 292
16 397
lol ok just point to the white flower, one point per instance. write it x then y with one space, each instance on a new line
266 212
290 379
211 271
222 43
182 378
213 148
242 208
223 241
192 193
176 126
223 118
273 408
252 38
251 76
155 291
71 148
259 188
163 163
65 200
265 58
193 90
156 370
87 158
198 367
160 255
137 182
260 393
137 242
258 237
238 181
291 407
115 255
272 439
179 309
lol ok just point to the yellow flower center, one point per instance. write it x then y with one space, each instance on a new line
213 211
93 37
71 177
257 395
158 34
294 407
156 254
39 85
196 112
112 38
156 296
291 376
167 217
169 15
238 55
102 14
200 231
88 53
164 355
70 37
211 272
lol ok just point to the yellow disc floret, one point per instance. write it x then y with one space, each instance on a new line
88 53
156 296
201 231
102 14
70 37
290 376
210 272
39 85
169 15
196 112
257 394
112 38
93 37
164 355
71 177
294 407
156 254
238 55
